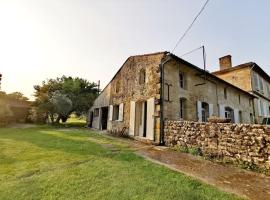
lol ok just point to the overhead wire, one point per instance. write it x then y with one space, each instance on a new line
190 26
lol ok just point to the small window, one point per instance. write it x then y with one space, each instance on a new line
96 112
182 108
250 102
181 80
239 99
167 92
240 117
251 118
261 85
225 93
115 112
117 87
142 77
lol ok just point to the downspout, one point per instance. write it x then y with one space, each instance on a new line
162 65
253 101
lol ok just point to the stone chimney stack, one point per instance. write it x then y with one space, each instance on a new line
225 62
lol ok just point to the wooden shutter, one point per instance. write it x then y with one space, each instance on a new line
132 118
256 81
222 111
110 112
211 110
259 107
150 119
121 112
236 115
199 111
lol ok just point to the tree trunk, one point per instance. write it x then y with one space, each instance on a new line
52 118
58 119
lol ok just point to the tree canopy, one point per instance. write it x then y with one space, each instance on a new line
59 97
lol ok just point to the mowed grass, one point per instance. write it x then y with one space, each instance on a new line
63 163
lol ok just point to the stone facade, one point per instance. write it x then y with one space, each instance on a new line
251 78
131 104
131 95
200 89
238 143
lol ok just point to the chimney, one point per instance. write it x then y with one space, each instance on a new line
225 62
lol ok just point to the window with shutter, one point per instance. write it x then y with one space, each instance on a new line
261 84
256 81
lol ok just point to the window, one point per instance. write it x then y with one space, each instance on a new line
240 117
142 76
205 111
225 93
261 85
250 102
251 118
167 92
115 112
96 112
229 114
256 81
181 80
239 98
117 87
182 108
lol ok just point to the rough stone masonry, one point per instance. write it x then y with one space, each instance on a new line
238 143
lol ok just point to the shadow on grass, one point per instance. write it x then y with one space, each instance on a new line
68 142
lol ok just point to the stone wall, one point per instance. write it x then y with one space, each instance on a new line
239 143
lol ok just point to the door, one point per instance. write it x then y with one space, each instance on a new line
104 118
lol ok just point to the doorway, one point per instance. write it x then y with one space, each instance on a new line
91 116
104 117
141 119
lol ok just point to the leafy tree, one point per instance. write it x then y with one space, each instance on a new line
62 105
62 96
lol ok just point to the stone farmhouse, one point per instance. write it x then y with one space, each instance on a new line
251 78
149 89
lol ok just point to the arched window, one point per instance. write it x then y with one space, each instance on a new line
142 76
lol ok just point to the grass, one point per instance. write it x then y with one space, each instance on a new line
74 163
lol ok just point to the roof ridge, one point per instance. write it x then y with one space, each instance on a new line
150 54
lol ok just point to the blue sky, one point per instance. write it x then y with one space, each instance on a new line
42 39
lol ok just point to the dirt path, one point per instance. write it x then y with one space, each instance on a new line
241 182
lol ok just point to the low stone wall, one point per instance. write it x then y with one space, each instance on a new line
239 143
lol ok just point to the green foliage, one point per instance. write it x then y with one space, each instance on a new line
6 113
50 163
62 96
192 150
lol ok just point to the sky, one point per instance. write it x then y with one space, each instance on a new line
91 39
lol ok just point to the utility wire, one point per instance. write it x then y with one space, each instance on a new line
191 51
190 26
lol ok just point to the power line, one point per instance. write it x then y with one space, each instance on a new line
190 26
191 51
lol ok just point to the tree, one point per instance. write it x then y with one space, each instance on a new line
62 106
56 96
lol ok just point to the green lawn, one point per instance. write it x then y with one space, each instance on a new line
62 163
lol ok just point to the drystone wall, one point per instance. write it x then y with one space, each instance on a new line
247 144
